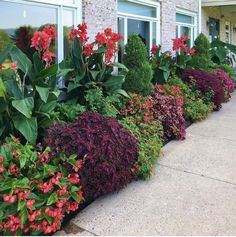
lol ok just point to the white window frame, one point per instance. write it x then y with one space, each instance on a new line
59 6
127 16
193 26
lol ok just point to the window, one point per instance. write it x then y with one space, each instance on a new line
30 16
141 17
227 33
214 29
186 25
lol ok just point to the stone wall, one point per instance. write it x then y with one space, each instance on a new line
168 18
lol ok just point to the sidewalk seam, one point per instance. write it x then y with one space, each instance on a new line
197 174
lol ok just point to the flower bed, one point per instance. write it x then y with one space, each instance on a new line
101 137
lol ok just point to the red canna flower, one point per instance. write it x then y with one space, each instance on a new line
40 41
192 51
1 158
51 31
13 66
88 50
154 49
48 57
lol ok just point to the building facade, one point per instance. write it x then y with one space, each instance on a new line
219 20
156 21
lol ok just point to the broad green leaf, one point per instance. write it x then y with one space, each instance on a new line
21 205
75 196
52 199
23 215
23 160
72 160
48 72
38 64
27 127
46 107
23 62
122 92
2 130
43 93
24 106
63 72
2 89
121 66
74 189
94 74
13 89
5 52
114 83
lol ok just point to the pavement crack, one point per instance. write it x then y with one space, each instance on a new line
197 174
216 138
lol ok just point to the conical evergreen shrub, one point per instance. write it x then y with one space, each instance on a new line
140 73
202 58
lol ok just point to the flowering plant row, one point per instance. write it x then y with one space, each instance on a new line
36 191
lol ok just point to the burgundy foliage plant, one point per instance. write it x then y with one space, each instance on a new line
206 82
170 110
226 80
108 152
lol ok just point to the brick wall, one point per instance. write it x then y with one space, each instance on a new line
99 14
168 18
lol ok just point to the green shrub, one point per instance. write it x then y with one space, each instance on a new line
96 102
140 73
66 113
194 107
202 58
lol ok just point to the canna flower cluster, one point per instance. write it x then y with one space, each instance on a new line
36 192
42 40
179 44
107 40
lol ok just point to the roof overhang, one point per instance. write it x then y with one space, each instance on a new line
213 3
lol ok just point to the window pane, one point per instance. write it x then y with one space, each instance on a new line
184 19
177 31
154 33
186 31
137 9
68 24
142 28
121 44
27 19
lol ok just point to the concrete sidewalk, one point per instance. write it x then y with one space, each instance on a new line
193 192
